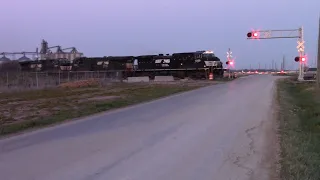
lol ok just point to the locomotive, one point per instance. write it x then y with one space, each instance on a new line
48 65
196 64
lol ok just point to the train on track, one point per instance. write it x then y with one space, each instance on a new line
198 64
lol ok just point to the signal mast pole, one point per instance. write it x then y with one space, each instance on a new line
229 60
280 34
300 48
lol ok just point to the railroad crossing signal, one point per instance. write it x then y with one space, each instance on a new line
230 62
229 58
274 34
300 46
229 54
301 59
284 33
252 34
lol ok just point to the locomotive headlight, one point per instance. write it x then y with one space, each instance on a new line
208 52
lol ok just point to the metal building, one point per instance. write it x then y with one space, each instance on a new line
4 59
46 53
24 58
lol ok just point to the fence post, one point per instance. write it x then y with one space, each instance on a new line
37 79
47 79
59 78
7 79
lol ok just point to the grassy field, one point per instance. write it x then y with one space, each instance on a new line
36 108
299 129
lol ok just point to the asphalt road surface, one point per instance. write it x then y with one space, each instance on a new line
219 132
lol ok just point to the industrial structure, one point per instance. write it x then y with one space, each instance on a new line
44 54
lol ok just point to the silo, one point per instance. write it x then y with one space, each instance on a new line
24 58
4 59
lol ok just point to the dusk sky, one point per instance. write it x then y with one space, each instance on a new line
134 27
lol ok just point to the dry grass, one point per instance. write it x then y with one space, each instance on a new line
299 130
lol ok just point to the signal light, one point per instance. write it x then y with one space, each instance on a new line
229 62
297 59
252 34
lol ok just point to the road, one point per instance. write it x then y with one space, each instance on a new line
219 132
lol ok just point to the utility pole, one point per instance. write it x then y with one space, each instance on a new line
272 64
318 61
283 63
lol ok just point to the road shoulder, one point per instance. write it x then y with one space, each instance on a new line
299 130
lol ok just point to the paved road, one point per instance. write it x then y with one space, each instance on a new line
214 133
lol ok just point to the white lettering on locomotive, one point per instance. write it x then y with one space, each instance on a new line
159 61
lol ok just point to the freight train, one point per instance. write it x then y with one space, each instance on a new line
196 64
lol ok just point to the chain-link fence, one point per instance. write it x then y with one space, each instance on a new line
30 80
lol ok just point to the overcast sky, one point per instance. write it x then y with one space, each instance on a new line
133 27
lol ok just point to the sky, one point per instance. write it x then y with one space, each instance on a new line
136 27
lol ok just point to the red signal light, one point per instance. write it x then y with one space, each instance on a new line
231 63
302 59
253 35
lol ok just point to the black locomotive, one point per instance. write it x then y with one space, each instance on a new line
196 64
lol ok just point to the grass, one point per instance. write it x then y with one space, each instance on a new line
299 129
70 108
